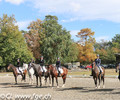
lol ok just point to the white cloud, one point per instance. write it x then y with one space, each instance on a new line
16 2
105 38
0 0
23 24
81 9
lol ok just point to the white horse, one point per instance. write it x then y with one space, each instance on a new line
30 73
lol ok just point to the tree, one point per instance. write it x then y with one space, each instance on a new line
57 41
12 42
85 45
34 37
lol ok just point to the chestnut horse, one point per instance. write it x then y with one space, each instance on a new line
118 68
97 75
54 73
15 72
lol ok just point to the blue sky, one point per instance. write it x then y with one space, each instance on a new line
102 16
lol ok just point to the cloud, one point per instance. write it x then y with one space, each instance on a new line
0 0
81 9
23 24
16 2
105 38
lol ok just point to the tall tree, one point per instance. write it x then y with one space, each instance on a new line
34 37
12 42
85 45
57 41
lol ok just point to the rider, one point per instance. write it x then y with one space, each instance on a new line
98 63
42 65
18 65
58 65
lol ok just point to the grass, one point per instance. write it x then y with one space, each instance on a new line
76 72
88 72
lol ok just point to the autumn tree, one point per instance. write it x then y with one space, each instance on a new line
34 37
12 42
85 45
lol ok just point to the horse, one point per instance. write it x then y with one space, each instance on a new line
16 72
97 75
118 68
54 73
30 73
38 73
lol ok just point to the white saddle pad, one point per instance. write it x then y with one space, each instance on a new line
43 69
61 70
20 70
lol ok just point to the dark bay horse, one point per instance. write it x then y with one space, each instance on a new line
38 73
118 68
97 75
54 73
15 72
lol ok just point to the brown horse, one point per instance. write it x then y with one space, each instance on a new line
97 75
118 68
54 73
15 72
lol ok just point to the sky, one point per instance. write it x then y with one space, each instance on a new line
101 16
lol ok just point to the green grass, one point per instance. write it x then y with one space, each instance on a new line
88 72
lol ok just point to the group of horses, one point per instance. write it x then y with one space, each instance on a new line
36 69
52 73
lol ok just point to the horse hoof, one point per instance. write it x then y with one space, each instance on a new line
98 87
36 85
103 86
63 86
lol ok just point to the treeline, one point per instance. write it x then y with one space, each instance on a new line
49 39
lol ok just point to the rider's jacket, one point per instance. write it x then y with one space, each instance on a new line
41 62
58 64
98 62
18 64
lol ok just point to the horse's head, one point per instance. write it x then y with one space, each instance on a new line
10 65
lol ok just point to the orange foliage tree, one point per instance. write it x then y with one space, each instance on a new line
85 45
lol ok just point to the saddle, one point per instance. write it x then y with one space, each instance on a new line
20 70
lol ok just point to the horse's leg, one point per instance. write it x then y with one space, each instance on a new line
57 81
36 81
52 81
25 77
49 80
40 81
95 81
32 79
15 79
64 79
103 81
99 81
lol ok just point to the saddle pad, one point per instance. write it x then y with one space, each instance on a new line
61 70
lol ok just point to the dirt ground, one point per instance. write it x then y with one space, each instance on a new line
75 89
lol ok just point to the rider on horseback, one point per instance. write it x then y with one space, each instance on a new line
98 63
58 65
42 65
18 65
